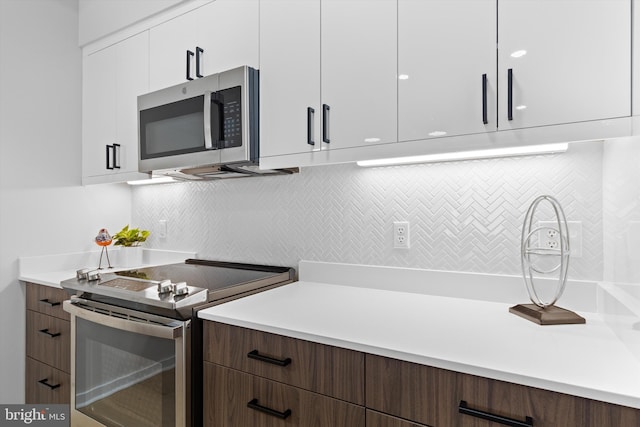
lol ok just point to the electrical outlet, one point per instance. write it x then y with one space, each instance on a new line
162 229
401 235
549 238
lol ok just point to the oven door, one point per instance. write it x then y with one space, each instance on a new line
128 368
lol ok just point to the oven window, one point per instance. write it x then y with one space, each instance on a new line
124 378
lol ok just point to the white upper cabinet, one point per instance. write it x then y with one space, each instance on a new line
328 77
569 60
216 37
228 30
112 80
289 77
172 47
358 72
447 82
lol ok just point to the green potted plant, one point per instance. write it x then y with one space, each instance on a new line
130 239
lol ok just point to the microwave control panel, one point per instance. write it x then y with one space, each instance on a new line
229 100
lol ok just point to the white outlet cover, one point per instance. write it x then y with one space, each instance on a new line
401 235
575 235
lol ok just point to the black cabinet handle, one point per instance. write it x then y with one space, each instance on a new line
510 94
464 409
325 123
310 119
189 56
116 156
51 334
485 120
280 362
109 156
199 52
113 151
51 386
49 303
282 415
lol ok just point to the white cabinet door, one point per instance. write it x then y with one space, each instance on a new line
113 78
98 111
289 76
219 36
169 43
132 79
570 61
359 68
447 80
227 31
352 57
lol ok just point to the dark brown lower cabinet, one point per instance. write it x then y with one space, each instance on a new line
441 398
45 384
48 346
376 419
258 379
238 399
514 402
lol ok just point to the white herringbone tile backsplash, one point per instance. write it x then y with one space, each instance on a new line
464 216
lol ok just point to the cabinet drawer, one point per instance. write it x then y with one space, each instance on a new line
415 392
48 340
45 384
228 393
324 369
376 419
47 300
517 402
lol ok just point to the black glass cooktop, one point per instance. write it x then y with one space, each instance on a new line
211 275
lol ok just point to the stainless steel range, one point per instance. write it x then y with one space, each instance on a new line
137 342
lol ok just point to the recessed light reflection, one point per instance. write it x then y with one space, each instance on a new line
518 53
437 133
403 77
372 140
521 107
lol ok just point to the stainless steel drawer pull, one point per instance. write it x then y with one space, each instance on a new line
464 409
50 334
280 362
49 303
51 386
282 415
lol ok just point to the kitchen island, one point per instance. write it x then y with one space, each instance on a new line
456 322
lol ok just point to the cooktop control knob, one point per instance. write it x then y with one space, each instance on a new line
92 276
165 287
83 273
180 288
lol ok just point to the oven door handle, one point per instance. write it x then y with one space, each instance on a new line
170 331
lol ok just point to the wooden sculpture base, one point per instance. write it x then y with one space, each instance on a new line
546 316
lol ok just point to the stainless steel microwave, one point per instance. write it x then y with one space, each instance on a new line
202 129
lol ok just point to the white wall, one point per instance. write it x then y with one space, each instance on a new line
43 208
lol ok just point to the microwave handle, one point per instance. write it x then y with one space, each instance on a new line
208 142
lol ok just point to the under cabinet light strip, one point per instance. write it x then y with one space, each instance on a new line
154 180
469 155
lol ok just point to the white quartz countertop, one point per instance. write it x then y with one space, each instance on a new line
50 270
472 336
